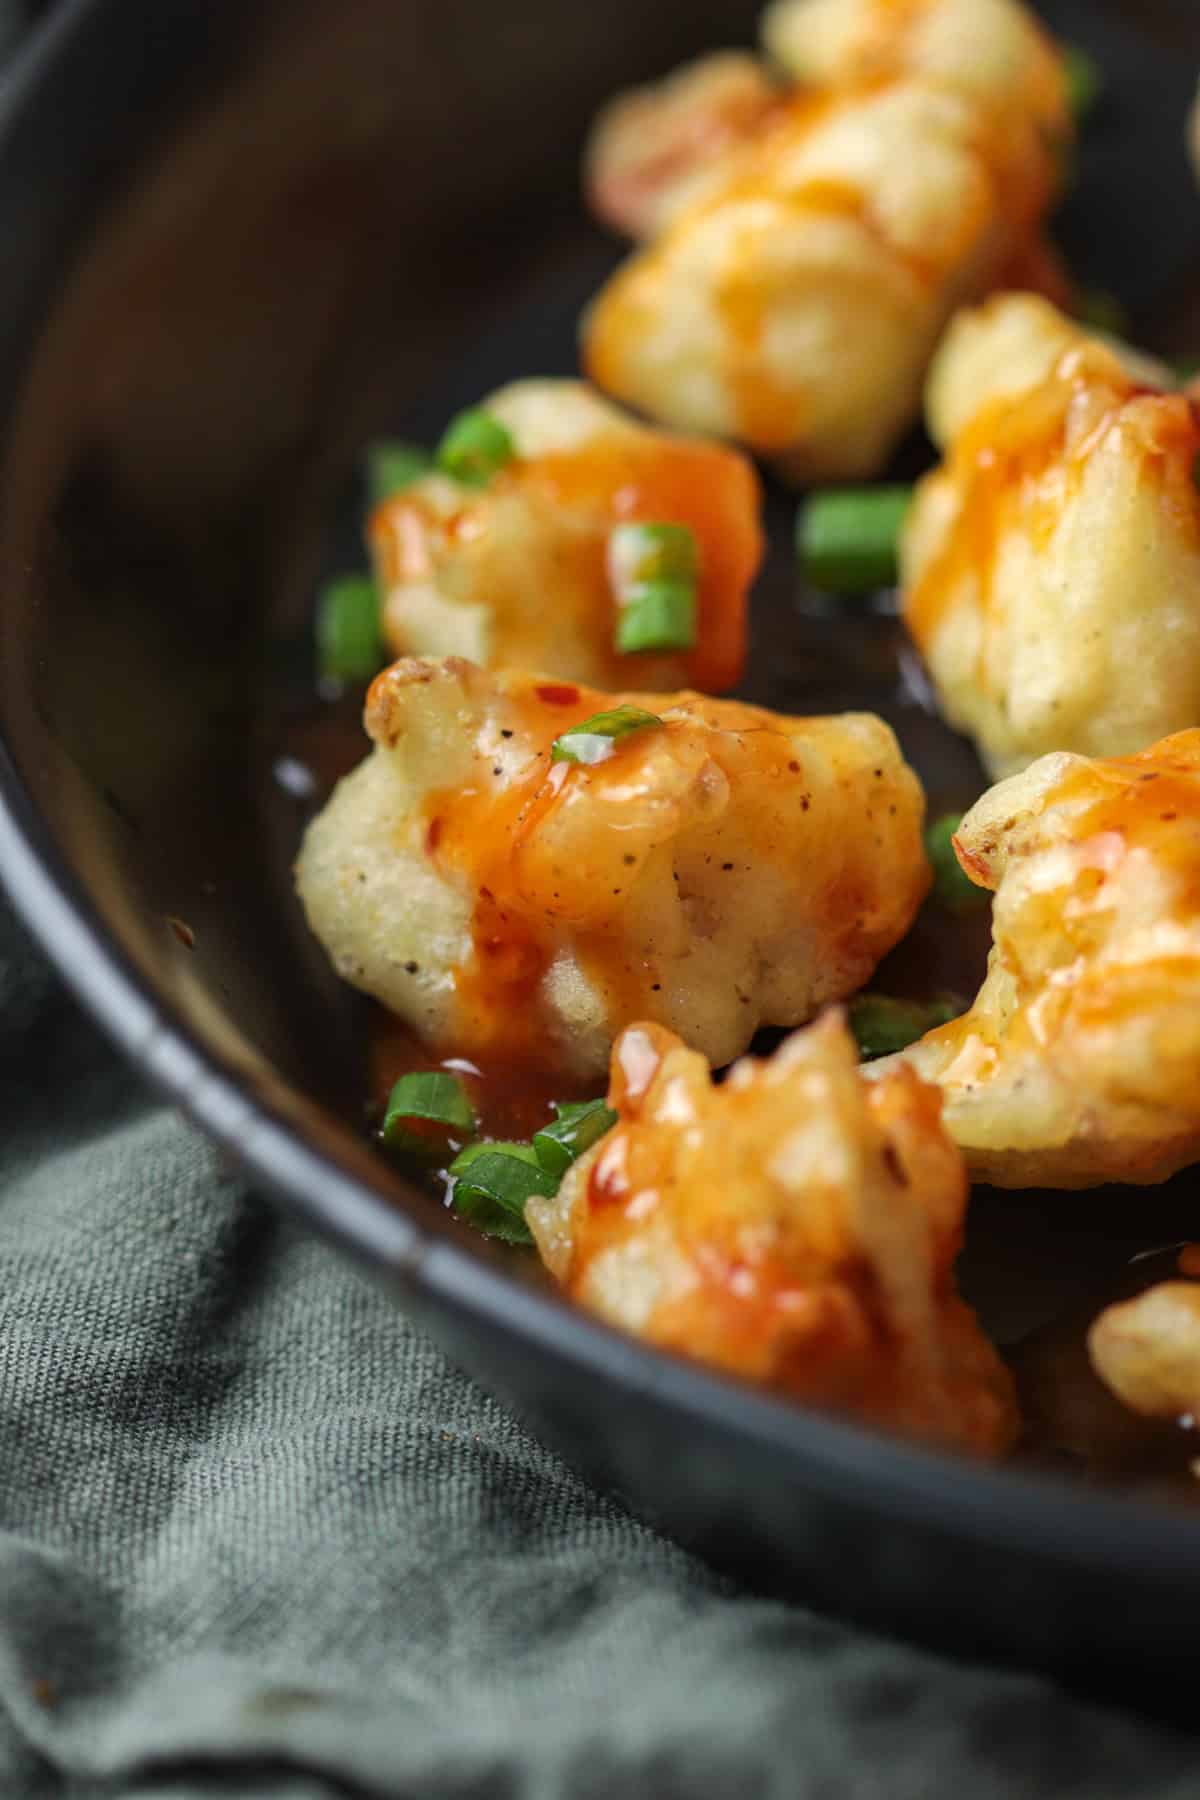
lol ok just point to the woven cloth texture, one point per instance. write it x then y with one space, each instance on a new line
258 1537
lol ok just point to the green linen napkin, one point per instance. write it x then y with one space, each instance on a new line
258 1537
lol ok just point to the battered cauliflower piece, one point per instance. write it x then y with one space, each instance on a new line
793 1226
992 50
1147 1350
1051 566
797 304
654 150
515 575
1079 1062
724 869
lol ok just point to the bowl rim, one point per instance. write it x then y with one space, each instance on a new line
1035 1514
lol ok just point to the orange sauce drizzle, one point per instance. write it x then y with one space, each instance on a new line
768 412
529 905
705 486
998 467
1147 802
883 49
712 489
1151 802
480 832
1014 141
800 1318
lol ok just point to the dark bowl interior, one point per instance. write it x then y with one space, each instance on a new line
252 237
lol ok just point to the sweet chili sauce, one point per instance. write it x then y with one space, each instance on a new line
999 468
576 497
530 899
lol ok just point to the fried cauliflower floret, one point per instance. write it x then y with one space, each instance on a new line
795 306
653 151
992 50
724 869
1079 1062
793 1226
515 574
1147 1350
1051 566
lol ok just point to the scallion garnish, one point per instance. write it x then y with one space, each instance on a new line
576 1129
349 641
476 446
652 570
847 539
651 552
492 1182
659 615
882 1025
1085 82
428 1097
393 466
952 886
593 740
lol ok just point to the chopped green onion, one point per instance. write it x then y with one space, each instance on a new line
575 1130
593 740
492 1182
432 1097
639 553
349 642
393 466
1085 82
847 538
652 569
476 446
1185 368
882 1025
1103 312
952 886
658 615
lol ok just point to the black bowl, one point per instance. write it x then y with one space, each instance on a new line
242 239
